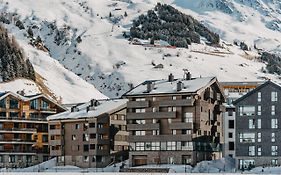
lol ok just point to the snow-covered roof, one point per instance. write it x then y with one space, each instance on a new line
104 106
166 87
28 98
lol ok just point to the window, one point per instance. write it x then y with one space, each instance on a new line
153 98
174 132
274 123
259 150
153 109
259 97
246 110
174 97
154 121
14 104
274 162
188 117
92 125
52 126
259 137
155 145
44 104
272 110
273 96
139 146
273 137
231 146
171 160
169 120
186 145
174 109
14 115
73 137
259 110
77 126
186 131
86 148
274 150
139 133
251 123
85 137
259 123
230 112
141 110
34 104
171 145
169 109
251 150
3 103
140 121
92 146
86 159
155 132
231 124
140 99
246 137
93 136
230 135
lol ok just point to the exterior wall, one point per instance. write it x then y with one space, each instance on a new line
242 126
166 113
24 136
104 143
229 132
119 146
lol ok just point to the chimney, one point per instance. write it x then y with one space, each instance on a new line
187 76
179 86
149 86
171 77
74 109
88 108
92 102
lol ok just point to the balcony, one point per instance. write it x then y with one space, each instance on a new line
160 138
142 127
138 104
181 125
176 103
48 110
25 120
54 132
18 130
151 115
16 141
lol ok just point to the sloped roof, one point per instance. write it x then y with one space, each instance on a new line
255 90
28 98
165 87
105 106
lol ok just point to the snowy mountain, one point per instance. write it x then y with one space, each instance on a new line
86 37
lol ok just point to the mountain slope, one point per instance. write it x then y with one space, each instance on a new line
86 38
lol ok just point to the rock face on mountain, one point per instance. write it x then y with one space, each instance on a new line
12 61
168 24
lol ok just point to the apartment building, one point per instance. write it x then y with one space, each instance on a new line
175 121
257 127
233 91
90 134
24 128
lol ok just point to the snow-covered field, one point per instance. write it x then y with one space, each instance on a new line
107 60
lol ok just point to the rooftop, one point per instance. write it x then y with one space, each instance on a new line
192 85
102 107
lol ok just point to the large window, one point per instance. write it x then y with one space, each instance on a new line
14 115
3 103
188 117
274 123
34 104
139 146
247 137
246 110
171 145
273 96
274 150
231 146
251 150
14 104
44 105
